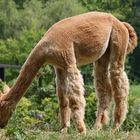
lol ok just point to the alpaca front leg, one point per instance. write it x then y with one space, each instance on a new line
77 104
63 100
75 92
65 111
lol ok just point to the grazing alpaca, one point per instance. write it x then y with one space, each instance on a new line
92 37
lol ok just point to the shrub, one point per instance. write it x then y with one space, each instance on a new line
133 117
1 85
91 107
18 122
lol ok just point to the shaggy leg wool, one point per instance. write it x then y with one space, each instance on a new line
103 89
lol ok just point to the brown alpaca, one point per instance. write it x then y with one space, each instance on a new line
92 37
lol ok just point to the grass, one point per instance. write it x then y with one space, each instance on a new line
91 134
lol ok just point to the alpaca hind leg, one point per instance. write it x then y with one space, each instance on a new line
65 111
75 93
120 86
103 89
119 78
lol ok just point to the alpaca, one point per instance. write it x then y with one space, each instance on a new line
93 37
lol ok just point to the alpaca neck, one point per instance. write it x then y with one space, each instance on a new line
27 74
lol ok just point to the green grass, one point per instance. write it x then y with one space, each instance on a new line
91 135
73 135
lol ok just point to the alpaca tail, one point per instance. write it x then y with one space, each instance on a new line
132 38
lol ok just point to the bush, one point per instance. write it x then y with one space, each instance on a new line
1 85
18 123
30 115
133 117
91 107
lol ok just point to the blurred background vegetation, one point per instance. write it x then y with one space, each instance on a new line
22 24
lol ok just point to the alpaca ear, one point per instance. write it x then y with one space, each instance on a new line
6 89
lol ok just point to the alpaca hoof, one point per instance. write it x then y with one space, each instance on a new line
82 129
116 127
83 132
105 118
98 126
64 130
114 130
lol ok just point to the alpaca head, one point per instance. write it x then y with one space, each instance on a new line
6 107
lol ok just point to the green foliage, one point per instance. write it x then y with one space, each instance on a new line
9 18
119 8
19 119
15 51
51 109
20 46
91 108
132 120
133 116
31 115
86 71
1 85
59 9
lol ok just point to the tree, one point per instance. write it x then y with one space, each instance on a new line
9 18
135 57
